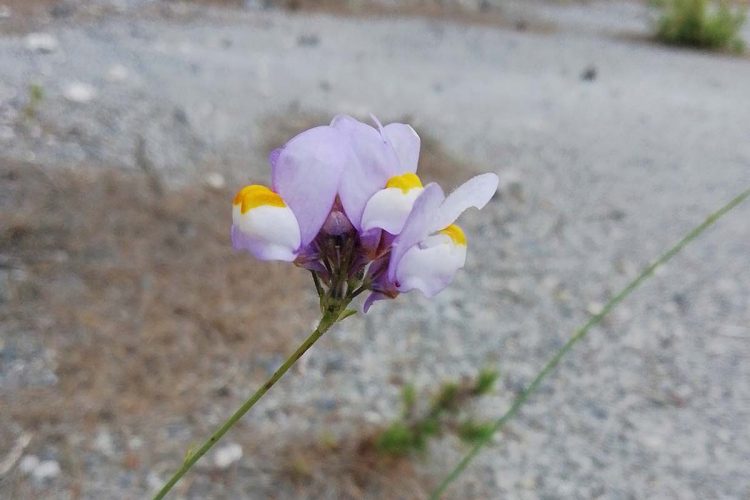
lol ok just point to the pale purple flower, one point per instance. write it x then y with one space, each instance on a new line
346 203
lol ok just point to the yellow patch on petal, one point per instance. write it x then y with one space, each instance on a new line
456 234
405 182
255 195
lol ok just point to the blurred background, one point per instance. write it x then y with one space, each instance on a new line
129 329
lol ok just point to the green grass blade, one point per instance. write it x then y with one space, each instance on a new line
579 334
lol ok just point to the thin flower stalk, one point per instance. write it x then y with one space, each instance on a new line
335 311
345 202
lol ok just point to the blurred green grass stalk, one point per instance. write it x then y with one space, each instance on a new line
579 335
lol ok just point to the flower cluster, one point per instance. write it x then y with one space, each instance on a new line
346 203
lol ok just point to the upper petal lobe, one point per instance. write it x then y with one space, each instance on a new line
307 174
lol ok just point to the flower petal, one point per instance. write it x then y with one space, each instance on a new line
431 265
306 174
371 299
388 209
417 226
273 157
475 192
374 162
406 143
267 232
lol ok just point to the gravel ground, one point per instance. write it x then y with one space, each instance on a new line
609 149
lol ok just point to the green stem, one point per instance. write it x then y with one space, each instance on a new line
580 334
329 318
318 287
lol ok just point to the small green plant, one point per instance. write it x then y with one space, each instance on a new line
475 432
36 96
485 381
443 413
702 24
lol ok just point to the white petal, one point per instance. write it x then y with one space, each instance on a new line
388 209
431 265
267 232
475 192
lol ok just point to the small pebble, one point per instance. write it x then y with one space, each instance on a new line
79 92
104 443
153 480
227 455
589 74
28 464
214 180
47 469
41 42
